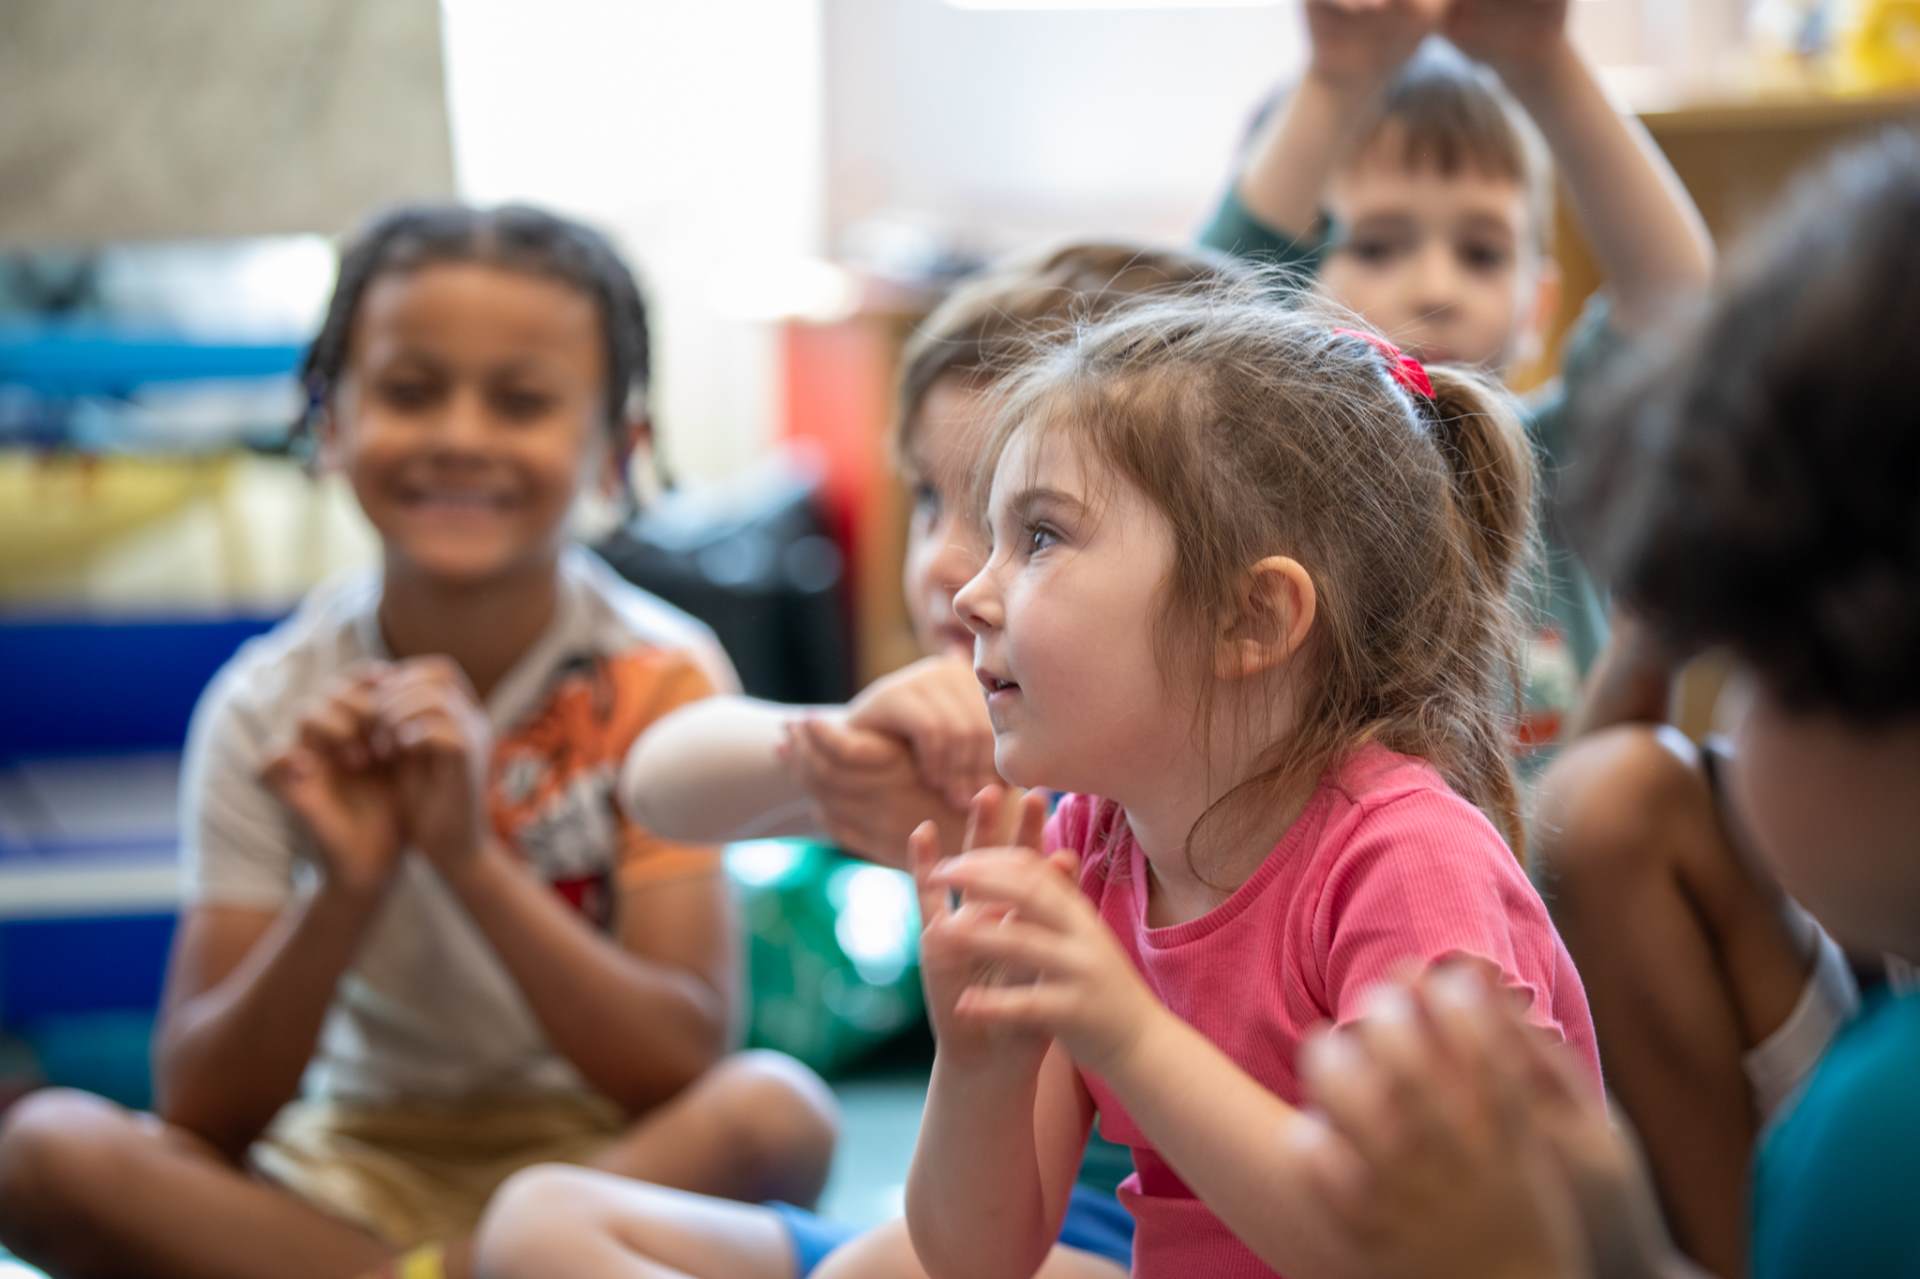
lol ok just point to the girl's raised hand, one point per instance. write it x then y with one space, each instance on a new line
936 707
331 779
441 746
1058 970
947 968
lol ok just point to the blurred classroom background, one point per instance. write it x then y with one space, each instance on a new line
796 181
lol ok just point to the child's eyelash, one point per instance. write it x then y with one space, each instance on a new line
1032 533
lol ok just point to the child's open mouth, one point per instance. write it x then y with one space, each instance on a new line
994 684
454 500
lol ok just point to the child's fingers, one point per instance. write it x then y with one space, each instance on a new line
414 704
1007 940
430 734
1486 1041
1016 878
332 732
293 778
840 746
358 702
1558 1075
1341 1081
1406 1063
1335 1174
983 818
286 770
1067 862
923 856
1032 820
1034 1007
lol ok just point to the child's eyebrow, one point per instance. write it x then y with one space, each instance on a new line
1377 222
1027 500
1479 221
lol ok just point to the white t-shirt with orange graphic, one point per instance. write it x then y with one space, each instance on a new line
427 1010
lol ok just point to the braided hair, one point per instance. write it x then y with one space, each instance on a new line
515 236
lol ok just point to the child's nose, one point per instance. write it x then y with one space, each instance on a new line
977 603
463 423
1437 282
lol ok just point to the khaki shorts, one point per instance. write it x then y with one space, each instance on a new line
422 1172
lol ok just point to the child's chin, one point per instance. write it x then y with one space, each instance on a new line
458 566
1019 769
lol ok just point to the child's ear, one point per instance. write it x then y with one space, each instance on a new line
1272 618
326 439
634 441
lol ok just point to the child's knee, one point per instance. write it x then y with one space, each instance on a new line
57 1149
1614 805
776 1108
536 1216
885 1251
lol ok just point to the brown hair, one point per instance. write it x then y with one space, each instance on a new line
1447 112
1257 430
984 325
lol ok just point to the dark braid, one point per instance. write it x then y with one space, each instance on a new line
515 236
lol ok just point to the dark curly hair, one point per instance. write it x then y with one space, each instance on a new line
517 236
1756 483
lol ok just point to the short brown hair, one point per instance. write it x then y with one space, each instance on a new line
1257 428
980 331
1452 114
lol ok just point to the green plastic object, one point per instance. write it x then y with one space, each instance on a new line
833 951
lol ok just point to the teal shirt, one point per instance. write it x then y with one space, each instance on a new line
1576 618
1836 1186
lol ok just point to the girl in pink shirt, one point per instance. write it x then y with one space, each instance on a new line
1256 584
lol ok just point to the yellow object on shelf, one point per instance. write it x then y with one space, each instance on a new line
57 510
1881 48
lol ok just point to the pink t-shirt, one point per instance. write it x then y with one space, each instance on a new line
1386 864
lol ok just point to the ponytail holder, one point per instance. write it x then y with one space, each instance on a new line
1406 370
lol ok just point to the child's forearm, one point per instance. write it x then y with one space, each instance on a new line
709 774
637 1029
976 1202
1646 233
1234 1143
227 1058
1297 151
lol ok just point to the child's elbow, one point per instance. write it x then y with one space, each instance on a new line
704 1033
206 1114
948 1253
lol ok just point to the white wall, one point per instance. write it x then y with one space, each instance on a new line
1013 123
689 130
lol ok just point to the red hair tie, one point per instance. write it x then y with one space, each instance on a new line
1406 370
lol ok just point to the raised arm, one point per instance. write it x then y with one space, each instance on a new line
1006 1118
1355 47
1649 238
